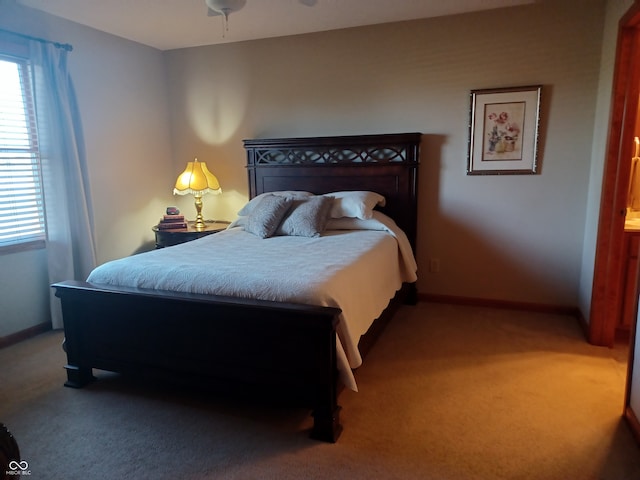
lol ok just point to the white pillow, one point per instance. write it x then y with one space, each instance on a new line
347 223
355 204
250 205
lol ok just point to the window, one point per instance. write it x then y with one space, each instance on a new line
22 222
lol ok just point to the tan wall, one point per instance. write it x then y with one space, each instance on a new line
515 238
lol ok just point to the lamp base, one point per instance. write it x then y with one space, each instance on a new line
199 223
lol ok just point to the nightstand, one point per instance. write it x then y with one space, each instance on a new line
166 238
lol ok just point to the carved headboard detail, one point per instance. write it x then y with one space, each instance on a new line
387 164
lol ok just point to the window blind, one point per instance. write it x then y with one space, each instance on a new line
21 197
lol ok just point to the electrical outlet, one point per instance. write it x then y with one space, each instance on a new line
434 265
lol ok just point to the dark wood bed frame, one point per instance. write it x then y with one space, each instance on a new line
233 344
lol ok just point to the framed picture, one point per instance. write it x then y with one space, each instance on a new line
503 131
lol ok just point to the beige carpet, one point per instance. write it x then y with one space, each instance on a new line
448 392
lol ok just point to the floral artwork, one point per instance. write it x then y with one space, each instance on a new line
503 134
502 125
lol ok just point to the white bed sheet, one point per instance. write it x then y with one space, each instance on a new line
358 271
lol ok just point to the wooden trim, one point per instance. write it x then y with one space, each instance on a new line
582 321
506 304
24 334
631 18
510 305
628 412
632 421
606 295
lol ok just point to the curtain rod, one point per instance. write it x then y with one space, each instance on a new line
64 46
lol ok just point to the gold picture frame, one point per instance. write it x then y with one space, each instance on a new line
503 131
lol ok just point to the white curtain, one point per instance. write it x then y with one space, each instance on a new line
68 209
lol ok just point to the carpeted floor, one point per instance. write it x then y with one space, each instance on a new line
447 393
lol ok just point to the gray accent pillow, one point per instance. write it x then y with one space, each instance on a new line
307 217
267 215
250 205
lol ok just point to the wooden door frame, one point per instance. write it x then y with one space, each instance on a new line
606 295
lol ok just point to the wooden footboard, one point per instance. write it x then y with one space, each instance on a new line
224 343
228 343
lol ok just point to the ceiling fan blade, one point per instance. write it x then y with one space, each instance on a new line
308 3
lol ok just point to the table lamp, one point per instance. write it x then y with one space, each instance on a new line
197 180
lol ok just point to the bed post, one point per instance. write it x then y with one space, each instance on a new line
412 294
326 425
326 411
77 376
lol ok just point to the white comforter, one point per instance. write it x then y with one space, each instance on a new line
358 271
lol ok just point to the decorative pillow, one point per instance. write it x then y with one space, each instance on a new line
349 223
250 205
356 204
238 222
307 217
267 215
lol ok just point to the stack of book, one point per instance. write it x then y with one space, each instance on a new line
172 222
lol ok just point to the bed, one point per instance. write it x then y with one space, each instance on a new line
241 345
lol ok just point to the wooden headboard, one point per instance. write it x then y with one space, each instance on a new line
386 164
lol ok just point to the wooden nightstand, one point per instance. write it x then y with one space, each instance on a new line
166 238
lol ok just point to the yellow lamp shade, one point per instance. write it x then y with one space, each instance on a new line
196 179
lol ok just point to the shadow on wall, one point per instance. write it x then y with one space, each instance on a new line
481 256
145 247
477 264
